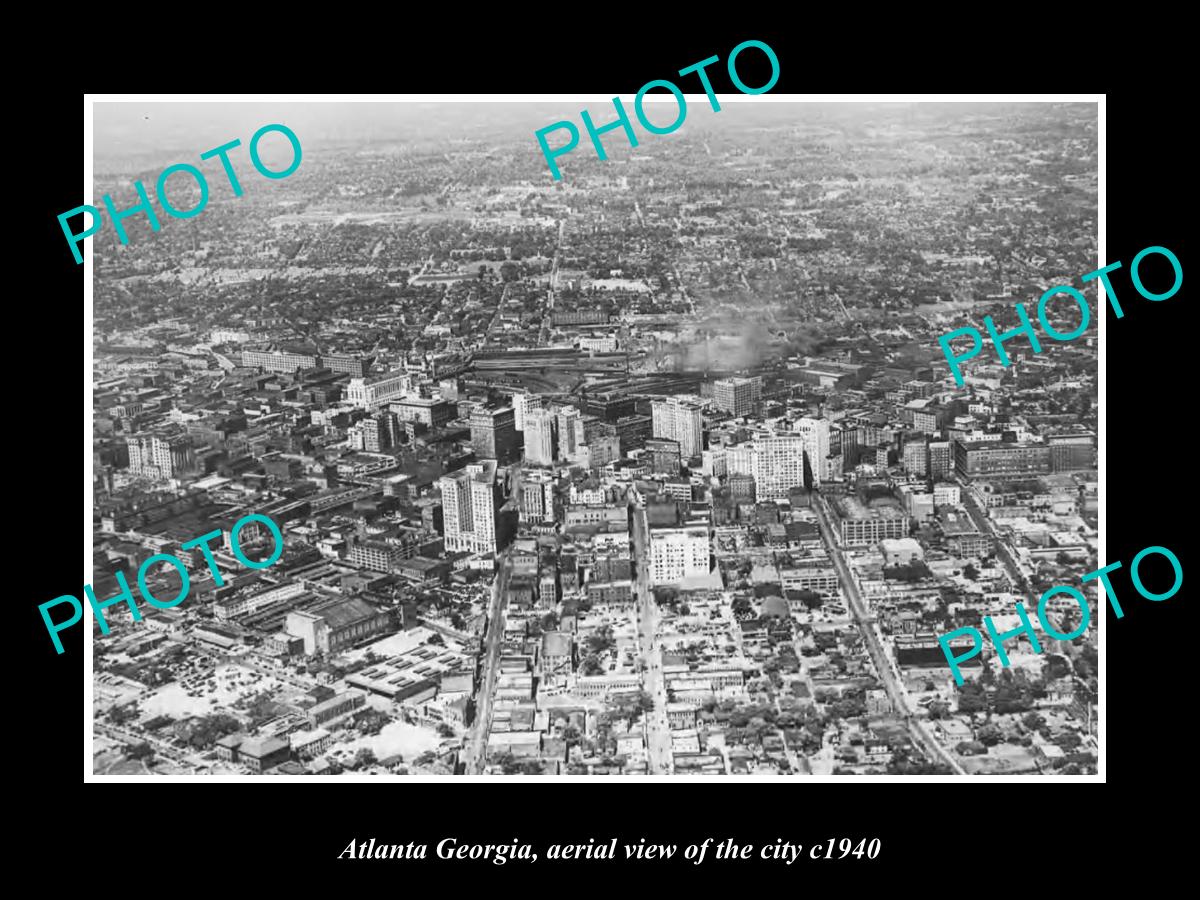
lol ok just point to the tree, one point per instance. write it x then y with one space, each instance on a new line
121 714
972 698
435 639
1057 666
601 639
990 735
364 757
591 665
141 751
970 572
1032 721
810 599
445 730
1068 742
939 709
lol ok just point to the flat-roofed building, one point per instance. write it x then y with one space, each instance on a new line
738 396
432 412
376 389
335 626
471 505
494 434
278 360
867 525
1000 460
678 553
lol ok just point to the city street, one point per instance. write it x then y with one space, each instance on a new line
883 664
473 749
658 731
986 526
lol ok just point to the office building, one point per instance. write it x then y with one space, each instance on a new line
738 396
603 449
471 502
524 403
632 431
664 456
380 432
774 462
536 501
432 412
609 406
941 460
678 553
494 434
916 457
679 420
570 433
1000 460
821 463
161 456
541 444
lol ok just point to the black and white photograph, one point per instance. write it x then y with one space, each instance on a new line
515 438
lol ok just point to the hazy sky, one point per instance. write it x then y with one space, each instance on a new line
135 136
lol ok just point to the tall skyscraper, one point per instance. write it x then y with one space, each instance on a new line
815 432
916 457
523 403
471 503
570 433
941 460
679 420
540 443
494 434
161 456
537 497
738 396
778 465
604 449
381 432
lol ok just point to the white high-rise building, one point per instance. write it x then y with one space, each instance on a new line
523 403
540 426
816 444
681 420
678 553
777 464
156 456
471 502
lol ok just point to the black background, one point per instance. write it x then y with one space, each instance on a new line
944 834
